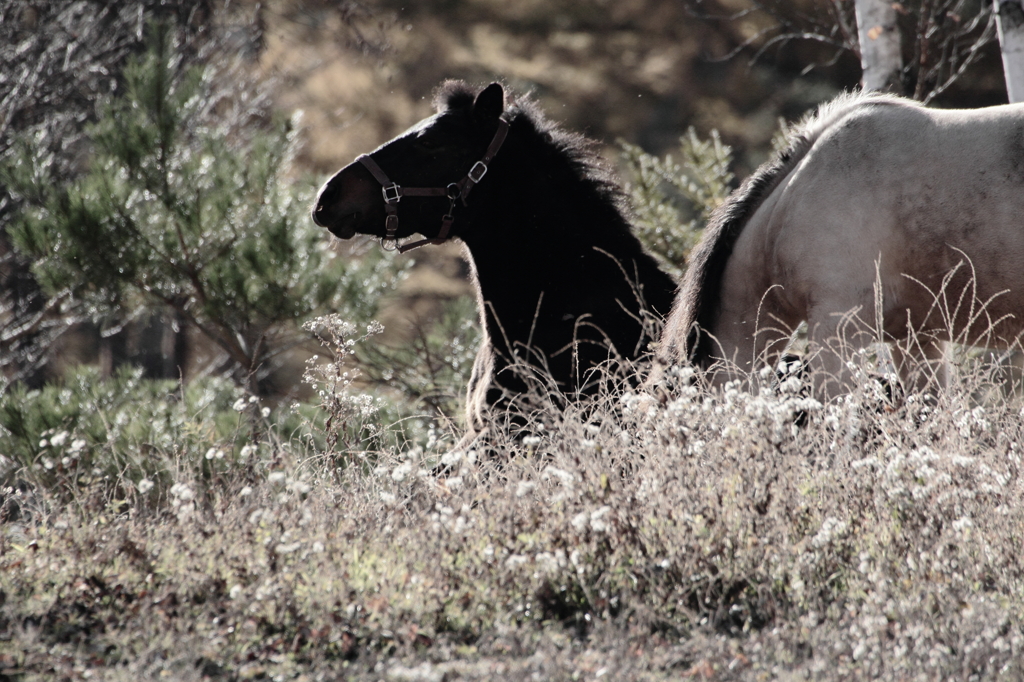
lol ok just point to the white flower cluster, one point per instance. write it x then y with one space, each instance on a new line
544 563
182 501
408 467
950 486
333 325
334 381
287 485
831 531
564 480
688 422
597 520
457 522
60 444
971 422
402 471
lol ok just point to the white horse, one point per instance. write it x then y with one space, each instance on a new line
882 221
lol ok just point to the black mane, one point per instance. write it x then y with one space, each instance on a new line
453 94
579 151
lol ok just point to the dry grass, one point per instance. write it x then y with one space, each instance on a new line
706 538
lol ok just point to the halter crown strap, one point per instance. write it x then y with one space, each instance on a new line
479 169
393 192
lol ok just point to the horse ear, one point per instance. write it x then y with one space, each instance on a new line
490 103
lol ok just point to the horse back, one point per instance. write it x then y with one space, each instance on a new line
699 300
927 203
869 180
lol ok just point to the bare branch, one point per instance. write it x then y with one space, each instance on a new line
943 38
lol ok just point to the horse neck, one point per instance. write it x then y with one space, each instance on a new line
536 207
529 225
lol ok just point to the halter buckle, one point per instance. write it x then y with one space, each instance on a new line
390 233
392 193
391 226
477 172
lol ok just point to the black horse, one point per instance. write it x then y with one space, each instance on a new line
563 286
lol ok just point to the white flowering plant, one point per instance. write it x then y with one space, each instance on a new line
351 418
128 433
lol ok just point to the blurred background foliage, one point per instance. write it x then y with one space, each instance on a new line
158 158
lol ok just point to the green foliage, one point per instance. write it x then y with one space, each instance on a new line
83 430
673 201
432 366
177 214
127 433
194 215
429 371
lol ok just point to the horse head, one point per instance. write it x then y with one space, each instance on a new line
420 181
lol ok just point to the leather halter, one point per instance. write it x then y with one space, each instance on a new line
393 192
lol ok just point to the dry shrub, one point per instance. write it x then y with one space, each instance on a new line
708 535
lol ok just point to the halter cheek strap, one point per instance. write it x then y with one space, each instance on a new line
393 192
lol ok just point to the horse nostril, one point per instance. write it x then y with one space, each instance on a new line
317 215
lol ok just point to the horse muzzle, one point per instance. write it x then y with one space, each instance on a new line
342 229
330 211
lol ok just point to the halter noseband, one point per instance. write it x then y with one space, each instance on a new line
393 192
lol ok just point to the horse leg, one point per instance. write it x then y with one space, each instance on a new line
922 363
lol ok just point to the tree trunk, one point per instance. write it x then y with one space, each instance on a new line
880 56
1010 23
174 346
